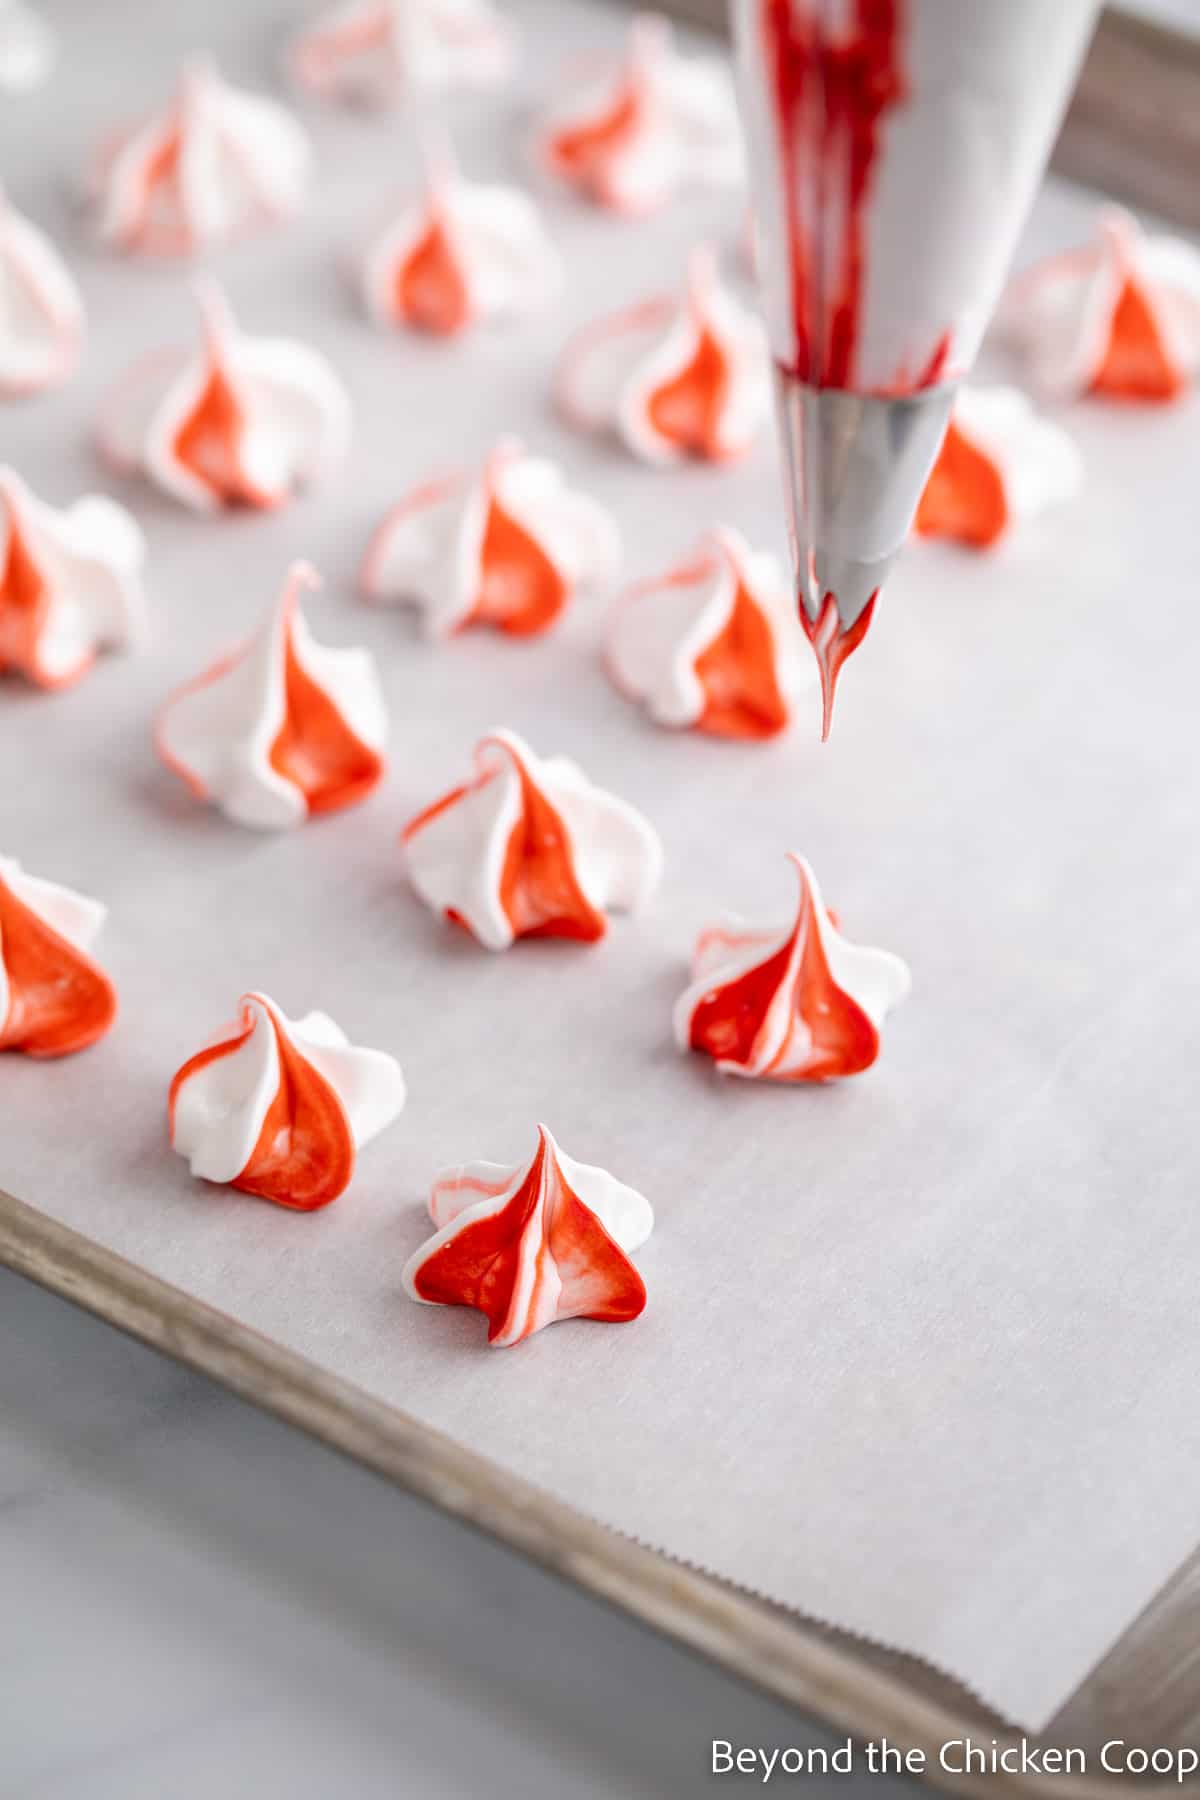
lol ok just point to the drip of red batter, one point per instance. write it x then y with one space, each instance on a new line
833 643
304 1155
503 1263
59 1001
430 286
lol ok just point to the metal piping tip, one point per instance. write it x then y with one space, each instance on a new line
856 466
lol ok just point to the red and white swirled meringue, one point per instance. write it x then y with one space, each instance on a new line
548 1240
214 165
1119 317
800 1003
70 583
509 546
41 308
54 999
527 847
670 380
654 124
465 252
379 52
282 728
714 644
28 47
999 464
281 1107
241 421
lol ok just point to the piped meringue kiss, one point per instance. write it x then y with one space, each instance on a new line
280 1107
654 124
215 164
41 308
377 52
1119 317
241 421
27 47
548 1240
797 1004
70 583
460 254
54 999
527 847
282 728
670 380
509 546
999 464
714 644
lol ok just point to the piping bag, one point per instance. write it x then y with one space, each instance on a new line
895 146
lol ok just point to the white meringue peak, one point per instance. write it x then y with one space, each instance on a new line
800 1003
672 380
41 308
527 1246
28 47
280 1107
54 1000
215 164
282 728
70 583
714 644
527 847
508 546
1119 317
648 127
999 464
379 52
463 253
240 421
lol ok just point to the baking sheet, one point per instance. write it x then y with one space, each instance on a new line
921 1353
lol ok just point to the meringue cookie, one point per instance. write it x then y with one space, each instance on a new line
70 583
282 728
376 52
1120 317
213 165
508 547
529 848
999 463
241 422
463 253
41 308
27 47
653 125
797 1004
54 999
280 1107
714 644
548 1240
672 380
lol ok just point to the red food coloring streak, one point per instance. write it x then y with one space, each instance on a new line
304 1154
964 497
737 673
728 1021
582 151
59 1001
539 891
315 748
24 604
430 286
480 1265
521 591
209 443
1136 364
833 644
160 182
687 410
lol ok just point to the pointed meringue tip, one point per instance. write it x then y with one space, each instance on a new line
198 73
701 272
216 314
302 578
439 162
546 1139
507 449
650 37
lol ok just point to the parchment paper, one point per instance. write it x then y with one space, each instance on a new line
921 1351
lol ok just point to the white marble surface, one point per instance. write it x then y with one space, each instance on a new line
198 1601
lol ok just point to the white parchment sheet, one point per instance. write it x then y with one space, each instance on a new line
921 1353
